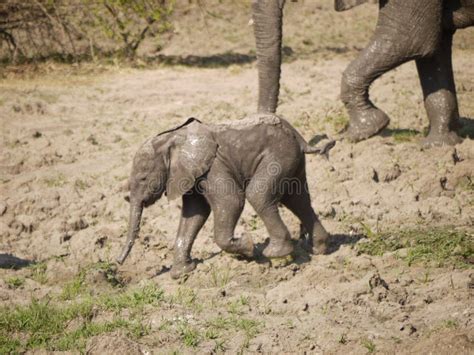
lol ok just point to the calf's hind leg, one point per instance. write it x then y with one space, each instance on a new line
299 202
265 200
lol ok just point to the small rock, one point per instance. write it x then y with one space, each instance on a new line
406 281
392 174
375 175
77 224
112 343
328 211
100 242
5 230
27 223
456 158
402 253
37 134
408 329
442 181
376 281
64 238
3 208
92 140
343 279
428 299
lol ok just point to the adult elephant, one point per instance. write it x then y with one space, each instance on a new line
420 30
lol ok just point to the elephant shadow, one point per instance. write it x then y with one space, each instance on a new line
213 61
400 133
302 254
9 261
466 129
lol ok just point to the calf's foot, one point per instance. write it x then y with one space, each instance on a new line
181 268
278 248
242 246
320 240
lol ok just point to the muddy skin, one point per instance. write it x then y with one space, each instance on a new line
203 164
419 30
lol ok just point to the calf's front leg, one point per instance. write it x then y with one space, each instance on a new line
194 214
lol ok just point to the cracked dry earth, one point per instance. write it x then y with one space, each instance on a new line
68 138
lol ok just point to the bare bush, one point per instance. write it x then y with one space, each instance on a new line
76 29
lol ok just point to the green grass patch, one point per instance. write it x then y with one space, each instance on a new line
55 181
186 297
133 299
38 272
404 135
339 120
74 287
77 286
439 247
220 276
81 184
190 336
232 324
15 282
369 345
67 326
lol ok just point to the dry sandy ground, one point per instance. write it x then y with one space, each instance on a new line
68 138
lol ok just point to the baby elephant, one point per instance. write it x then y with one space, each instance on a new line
217 167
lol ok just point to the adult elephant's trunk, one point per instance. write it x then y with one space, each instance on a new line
133 229
267 18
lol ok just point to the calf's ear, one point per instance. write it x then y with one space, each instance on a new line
190 156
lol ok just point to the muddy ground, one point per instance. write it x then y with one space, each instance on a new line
69 133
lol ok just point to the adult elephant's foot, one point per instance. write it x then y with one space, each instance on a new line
278 248
182 268
365 124
438 140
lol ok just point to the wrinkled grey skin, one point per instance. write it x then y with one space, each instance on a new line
420 30
218 167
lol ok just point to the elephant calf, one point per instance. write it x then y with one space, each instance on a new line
217 167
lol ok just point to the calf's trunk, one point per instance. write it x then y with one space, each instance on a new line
133 229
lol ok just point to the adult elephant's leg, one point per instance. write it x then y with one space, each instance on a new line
406 29
366 119
267 18
439 92
194 214
458 14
